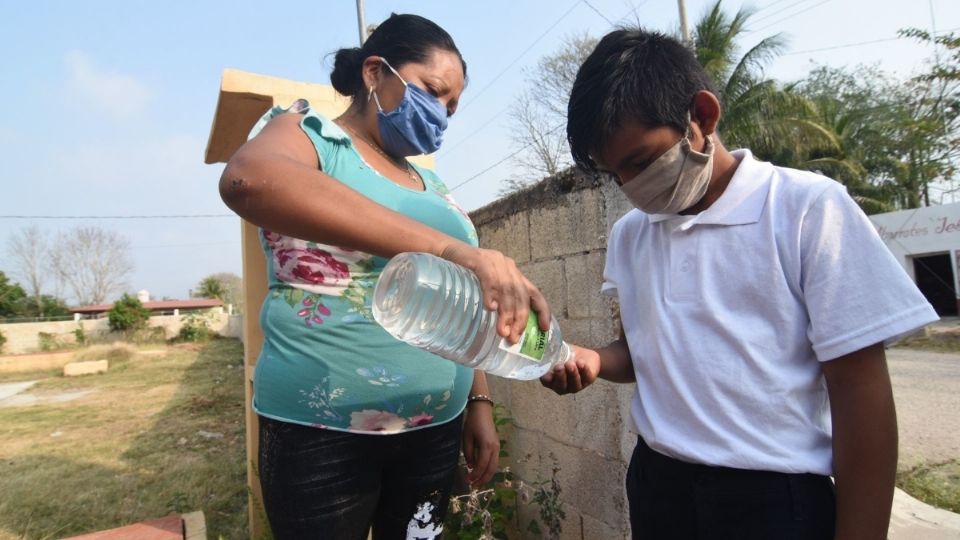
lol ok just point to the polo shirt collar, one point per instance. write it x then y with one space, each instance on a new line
741 202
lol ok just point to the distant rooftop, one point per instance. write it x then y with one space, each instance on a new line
161 305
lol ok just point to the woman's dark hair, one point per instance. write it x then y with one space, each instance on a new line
401 39
632 76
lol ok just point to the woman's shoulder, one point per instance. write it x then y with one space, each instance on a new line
300 115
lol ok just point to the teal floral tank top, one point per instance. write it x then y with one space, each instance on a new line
325 362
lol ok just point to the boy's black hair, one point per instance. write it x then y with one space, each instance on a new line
401 39
631 76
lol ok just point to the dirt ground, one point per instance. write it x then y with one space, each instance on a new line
926 387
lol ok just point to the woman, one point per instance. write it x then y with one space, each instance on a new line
335 199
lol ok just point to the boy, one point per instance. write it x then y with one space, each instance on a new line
755 303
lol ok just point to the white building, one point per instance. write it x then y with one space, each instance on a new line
926 241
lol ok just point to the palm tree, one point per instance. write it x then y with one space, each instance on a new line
211 287
775 122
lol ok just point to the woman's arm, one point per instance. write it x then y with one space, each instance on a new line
274 182
481 442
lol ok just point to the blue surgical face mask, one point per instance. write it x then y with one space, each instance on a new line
415 126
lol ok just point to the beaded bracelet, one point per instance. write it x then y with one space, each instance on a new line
480 397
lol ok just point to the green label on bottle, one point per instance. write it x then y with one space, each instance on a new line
533 342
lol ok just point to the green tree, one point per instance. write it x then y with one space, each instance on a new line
12 298
772 120
210 287
128 314
897 139
224 286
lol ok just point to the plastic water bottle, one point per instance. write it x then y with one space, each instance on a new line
437 305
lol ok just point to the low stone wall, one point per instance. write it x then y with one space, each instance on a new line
25 337
556 231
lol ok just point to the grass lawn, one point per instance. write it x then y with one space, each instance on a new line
161 432
937 485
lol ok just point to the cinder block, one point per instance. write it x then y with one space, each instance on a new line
615 204
575 226
584 275
599 422
628 434
509 235
592 483
577 331
74 369
594 528
548 277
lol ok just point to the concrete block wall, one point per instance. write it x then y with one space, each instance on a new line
25 337
556 231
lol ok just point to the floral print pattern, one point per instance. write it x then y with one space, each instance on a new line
319 398
378 376
370 420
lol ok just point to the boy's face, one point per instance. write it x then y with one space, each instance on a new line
632 148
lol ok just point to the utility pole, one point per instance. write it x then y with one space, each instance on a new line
363 23
684 30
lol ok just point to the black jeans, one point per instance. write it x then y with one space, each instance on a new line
325 484
671 499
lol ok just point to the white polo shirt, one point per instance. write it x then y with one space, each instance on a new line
728 313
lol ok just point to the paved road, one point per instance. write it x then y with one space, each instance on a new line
926 387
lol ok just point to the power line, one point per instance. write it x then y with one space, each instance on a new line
768 6
832 47
490 121
842 46
158 216
525 51
515 152
472 133
781 10
524 147
597 11
774 23
187 245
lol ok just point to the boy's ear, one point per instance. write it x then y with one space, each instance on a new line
706 112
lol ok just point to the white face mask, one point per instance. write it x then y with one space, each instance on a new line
674 182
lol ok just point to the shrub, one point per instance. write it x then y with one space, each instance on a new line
490 511
48 341
3 340
79 335
128 314
196 327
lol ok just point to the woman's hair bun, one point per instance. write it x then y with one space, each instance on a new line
346 76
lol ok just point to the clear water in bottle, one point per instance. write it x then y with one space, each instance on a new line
437 305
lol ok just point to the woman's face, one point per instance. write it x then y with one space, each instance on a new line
440 75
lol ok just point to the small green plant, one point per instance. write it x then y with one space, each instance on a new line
487 513
47 341
196 327
79 335
547 497
128 314
3 341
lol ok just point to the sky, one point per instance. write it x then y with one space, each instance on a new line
108 103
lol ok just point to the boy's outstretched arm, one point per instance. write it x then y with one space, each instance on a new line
864 442
612 363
